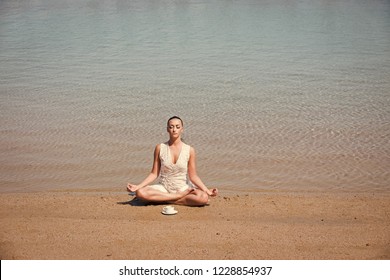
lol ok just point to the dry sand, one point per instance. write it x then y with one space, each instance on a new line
100 225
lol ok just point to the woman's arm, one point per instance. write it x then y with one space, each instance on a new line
194 176
154 173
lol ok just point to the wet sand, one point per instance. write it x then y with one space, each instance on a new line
100 225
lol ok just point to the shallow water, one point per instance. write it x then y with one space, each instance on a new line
284 95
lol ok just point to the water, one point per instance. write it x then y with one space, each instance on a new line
275 95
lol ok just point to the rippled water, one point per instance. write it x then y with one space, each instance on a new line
285 95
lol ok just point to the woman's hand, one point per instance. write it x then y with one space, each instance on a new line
213 192
132 187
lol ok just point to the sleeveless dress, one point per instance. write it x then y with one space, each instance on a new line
173 176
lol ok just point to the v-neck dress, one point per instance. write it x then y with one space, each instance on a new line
173 176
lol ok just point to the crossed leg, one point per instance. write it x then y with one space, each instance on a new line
194 198
189 197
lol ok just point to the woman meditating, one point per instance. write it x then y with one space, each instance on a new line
174 163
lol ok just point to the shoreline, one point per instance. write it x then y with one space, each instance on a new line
251 224
225 190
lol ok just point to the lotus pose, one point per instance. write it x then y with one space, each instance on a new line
174 163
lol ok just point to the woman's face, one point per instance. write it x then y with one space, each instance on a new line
175 128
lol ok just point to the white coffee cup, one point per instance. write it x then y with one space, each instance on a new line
169 209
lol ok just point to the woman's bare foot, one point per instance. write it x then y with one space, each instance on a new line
180 195
195 197
186 192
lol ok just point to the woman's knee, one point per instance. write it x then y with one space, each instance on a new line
141 194
202 198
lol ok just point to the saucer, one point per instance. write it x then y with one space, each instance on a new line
169 213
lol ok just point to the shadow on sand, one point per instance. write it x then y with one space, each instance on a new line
138 202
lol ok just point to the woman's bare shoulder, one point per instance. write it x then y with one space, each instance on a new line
157 148
192 150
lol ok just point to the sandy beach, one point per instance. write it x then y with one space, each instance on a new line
100 225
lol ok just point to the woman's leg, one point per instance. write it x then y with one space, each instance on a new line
194 198
151 194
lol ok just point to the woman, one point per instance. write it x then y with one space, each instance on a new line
174 162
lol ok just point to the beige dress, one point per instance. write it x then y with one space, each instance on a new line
173 176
